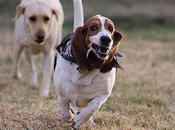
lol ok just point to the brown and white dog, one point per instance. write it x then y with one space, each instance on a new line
85 83
38 28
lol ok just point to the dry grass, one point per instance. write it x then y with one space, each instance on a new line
143 97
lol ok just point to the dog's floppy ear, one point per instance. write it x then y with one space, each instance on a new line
117 36
20 9
79 46
56 13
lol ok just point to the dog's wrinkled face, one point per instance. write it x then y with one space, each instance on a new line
100 31
38 18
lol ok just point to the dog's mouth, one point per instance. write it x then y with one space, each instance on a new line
38 41
101 52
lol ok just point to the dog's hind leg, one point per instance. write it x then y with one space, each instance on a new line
33 72
17 50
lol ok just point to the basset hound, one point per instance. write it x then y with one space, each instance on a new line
85 69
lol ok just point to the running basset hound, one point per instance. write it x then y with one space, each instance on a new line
85 69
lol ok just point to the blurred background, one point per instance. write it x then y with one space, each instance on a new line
125 13
144 94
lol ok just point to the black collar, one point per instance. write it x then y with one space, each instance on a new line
65 48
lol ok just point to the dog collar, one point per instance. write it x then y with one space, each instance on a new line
113 64
64 49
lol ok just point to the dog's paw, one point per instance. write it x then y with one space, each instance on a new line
75 126
91 121
34 80
79 119
67 118
76 122
44 93
17 76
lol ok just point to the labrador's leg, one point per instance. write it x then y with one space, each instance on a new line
17 51
47 72
33 72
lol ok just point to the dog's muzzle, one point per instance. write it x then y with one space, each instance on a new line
40 37
103 50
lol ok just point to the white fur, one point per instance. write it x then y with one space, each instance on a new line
71 86
24 41
92 88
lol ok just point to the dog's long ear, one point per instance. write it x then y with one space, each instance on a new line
117 36
80 46
20 9
56 13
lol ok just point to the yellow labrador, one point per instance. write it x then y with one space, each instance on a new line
38 28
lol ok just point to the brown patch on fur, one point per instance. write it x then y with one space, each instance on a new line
80 47
116 38
109 25
94 21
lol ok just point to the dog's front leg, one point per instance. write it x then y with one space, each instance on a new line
17 50
65 110
33 72
47 72
87 112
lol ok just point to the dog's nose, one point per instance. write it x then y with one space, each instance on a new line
40 37
105 40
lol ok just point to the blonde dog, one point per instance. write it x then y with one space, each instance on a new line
38 28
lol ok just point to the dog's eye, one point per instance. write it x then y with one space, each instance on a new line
32 19
46 19
110 28
93 28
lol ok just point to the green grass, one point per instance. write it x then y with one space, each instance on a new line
162 33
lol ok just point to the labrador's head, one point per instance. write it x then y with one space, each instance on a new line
38 17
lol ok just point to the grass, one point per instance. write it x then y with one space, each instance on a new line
152 33
143 97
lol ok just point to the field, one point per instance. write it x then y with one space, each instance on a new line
143 97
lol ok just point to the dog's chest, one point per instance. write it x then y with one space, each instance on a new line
36 49
78 87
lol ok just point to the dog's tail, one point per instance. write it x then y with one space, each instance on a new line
78 14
